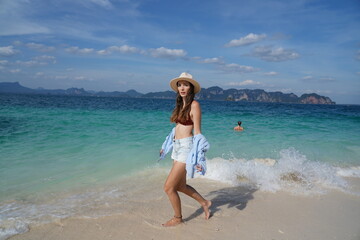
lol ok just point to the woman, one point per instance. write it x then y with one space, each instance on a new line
187 116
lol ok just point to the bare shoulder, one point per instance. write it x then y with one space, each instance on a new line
195 104
195 107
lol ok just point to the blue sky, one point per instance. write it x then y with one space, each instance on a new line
297 46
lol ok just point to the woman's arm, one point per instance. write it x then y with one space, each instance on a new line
196 116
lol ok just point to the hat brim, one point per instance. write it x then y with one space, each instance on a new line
173 84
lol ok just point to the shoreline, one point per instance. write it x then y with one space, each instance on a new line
236 211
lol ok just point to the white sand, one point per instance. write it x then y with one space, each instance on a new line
237 214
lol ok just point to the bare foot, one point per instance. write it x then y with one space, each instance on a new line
206 207
173 222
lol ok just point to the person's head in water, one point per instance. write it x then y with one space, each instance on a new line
238 127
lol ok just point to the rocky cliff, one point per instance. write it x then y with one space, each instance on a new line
211 93
259 95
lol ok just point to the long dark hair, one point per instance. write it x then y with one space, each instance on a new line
181 112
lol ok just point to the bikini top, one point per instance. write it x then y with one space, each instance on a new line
186 122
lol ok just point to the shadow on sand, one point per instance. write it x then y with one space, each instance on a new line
237 197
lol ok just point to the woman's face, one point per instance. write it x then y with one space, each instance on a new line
183 88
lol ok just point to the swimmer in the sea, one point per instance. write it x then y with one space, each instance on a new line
239 127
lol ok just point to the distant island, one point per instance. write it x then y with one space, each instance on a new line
211 93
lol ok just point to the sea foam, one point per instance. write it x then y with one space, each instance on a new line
292 172
349 172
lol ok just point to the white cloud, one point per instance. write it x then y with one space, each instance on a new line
45 58
125 49
325 79
214 60
247 40
120 49
103 52
270 54
233 67
29 63
15 70
244 83
167 53
7 51
37 61
358 55
4 62
283 90
77 50
318 91
271 73
40 47
70 77
83 78
17 43
307 78
196 58
103 3
80 78
61 77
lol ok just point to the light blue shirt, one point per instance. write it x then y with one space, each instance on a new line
196 155
168 144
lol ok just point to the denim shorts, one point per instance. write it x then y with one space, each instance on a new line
181 149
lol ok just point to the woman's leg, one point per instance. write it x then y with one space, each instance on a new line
171 185
191 192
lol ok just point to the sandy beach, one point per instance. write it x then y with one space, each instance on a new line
237 213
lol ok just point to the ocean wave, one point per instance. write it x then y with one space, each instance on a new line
17 216
349 172
10 227
292 172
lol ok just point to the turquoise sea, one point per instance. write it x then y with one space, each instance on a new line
63 156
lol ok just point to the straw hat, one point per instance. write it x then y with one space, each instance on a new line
186 77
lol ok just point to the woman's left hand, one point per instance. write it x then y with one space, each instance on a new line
199 168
